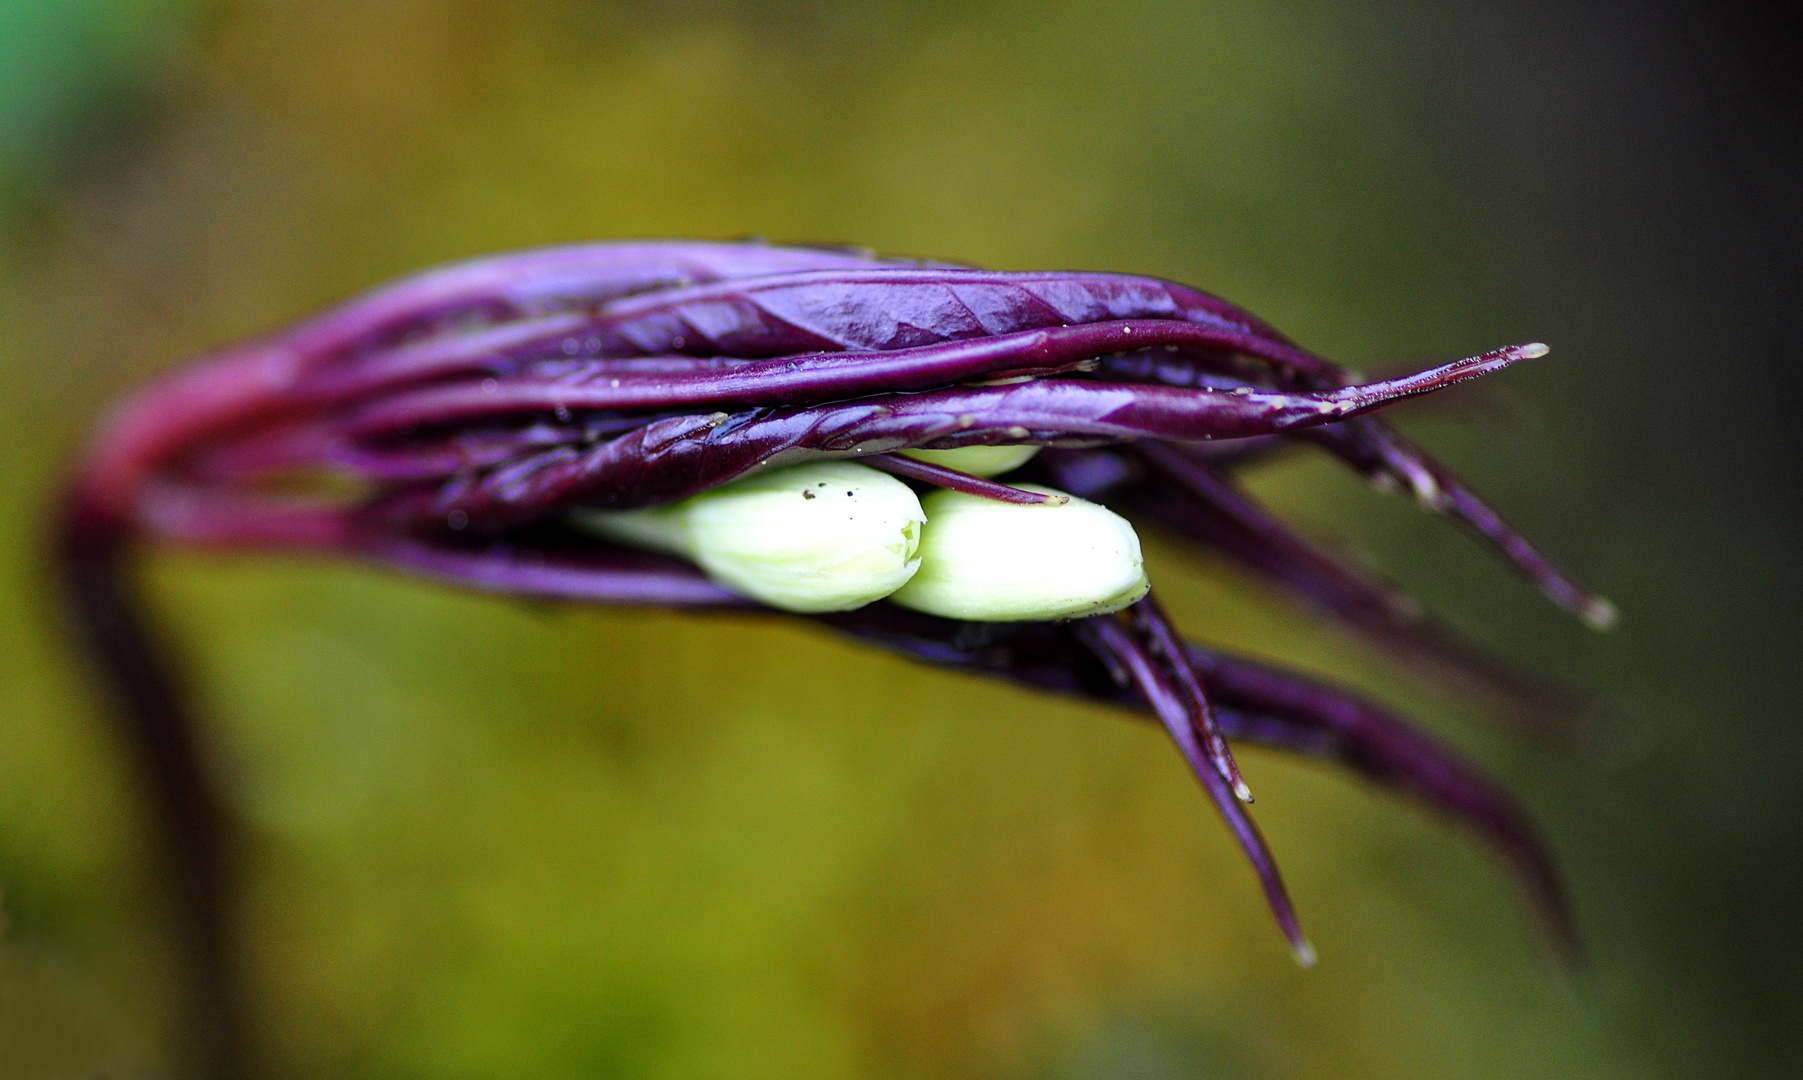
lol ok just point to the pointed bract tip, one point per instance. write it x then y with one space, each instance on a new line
1241 791
1534 350
1303 952
1599 614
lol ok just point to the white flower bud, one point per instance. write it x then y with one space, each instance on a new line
992 561
663 529
977 460
826 536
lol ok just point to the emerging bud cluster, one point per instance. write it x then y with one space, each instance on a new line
836 535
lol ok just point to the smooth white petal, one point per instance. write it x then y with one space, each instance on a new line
991 561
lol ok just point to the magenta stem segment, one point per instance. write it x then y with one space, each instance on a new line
955 480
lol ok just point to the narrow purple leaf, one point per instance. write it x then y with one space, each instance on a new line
895 308
1161 637
1264 706
1382 748
526 283
1109 635
1375 449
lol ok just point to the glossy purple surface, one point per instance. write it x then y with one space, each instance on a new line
461 412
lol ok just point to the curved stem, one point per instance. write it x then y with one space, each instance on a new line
194 828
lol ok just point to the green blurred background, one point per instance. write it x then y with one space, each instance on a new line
495 840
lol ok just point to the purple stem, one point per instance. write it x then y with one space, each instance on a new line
191 823
940 476
256 381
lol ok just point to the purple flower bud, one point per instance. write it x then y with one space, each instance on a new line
458 418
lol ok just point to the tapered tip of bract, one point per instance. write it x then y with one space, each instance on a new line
1364 397
1229 770
1599 614
1303 952
1495 360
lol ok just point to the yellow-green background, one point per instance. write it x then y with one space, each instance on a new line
495 840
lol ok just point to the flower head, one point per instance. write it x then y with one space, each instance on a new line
644 424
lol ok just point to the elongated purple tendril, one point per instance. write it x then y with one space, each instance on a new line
1156 684
1178 485
1265 706
1374 449
1249 701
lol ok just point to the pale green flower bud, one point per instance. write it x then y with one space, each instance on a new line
991 561
977 460
826 536
663 529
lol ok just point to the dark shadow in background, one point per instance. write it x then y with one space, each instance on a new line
1661 146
